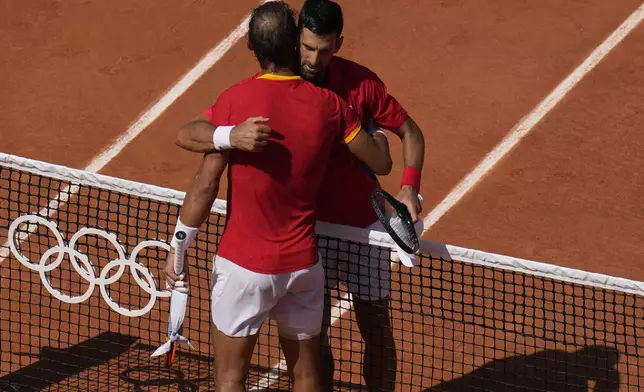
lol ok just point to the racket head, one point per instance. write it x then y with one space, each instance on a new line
395 218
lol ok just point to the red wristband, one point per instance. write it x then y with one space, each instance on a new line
411 176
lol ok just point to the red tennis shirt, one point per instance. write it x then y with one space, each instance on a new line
272 194
344 196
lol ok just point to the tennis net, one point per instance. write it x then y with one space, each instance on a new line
82 308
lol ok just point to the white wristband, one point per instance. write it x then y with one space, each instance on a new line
221 138
191 233
380 131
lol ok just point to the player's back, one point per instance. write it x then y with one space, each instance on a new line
272 194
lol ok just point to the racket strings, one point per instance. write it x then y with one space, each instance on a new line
396 219
402 229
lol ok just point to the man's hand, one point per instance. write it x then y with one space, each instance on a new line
409 197
172 279
251 135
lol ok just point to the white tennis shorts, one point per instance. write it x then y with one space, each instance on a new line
242 299
364 269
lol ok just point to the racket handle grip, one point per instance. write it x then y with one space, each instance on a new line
179 251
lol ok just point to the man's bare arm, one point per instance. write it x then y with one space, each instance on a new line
198 135
413 156
380 138
203 189
383 144
372 151
413 143
196 206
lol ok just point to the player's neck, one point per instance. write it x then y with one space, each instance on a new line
282 71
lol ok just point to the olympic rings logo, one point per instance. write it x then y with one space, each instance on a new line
84 267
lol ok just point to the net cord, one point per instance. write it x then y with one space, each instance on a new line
354 234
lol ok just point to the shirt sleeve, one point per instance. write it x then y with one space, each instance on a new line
219 113
349 122
382 107
344 122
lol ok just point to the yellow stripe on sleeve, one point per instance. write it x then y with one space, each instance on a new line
352 135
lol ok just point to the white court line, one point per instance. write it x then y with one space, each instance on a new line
147 118
207 62
518 132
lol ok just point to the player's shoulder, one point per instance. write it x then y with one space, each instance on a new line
356 78
317 93
240 87
329 98
352 69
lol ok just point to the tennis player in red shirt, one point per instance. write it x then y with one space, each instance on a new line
267 263
344 196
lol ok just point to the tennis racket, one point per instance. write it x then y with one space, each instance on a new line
179 255
396 220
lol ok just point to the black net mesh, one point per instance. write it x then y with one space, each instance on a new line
448 325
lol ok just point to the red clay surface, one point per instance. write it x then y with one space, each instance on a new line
79 73
572 192
75 74
467 82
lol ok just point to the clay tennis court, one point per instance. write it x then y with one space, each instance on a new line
76 75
